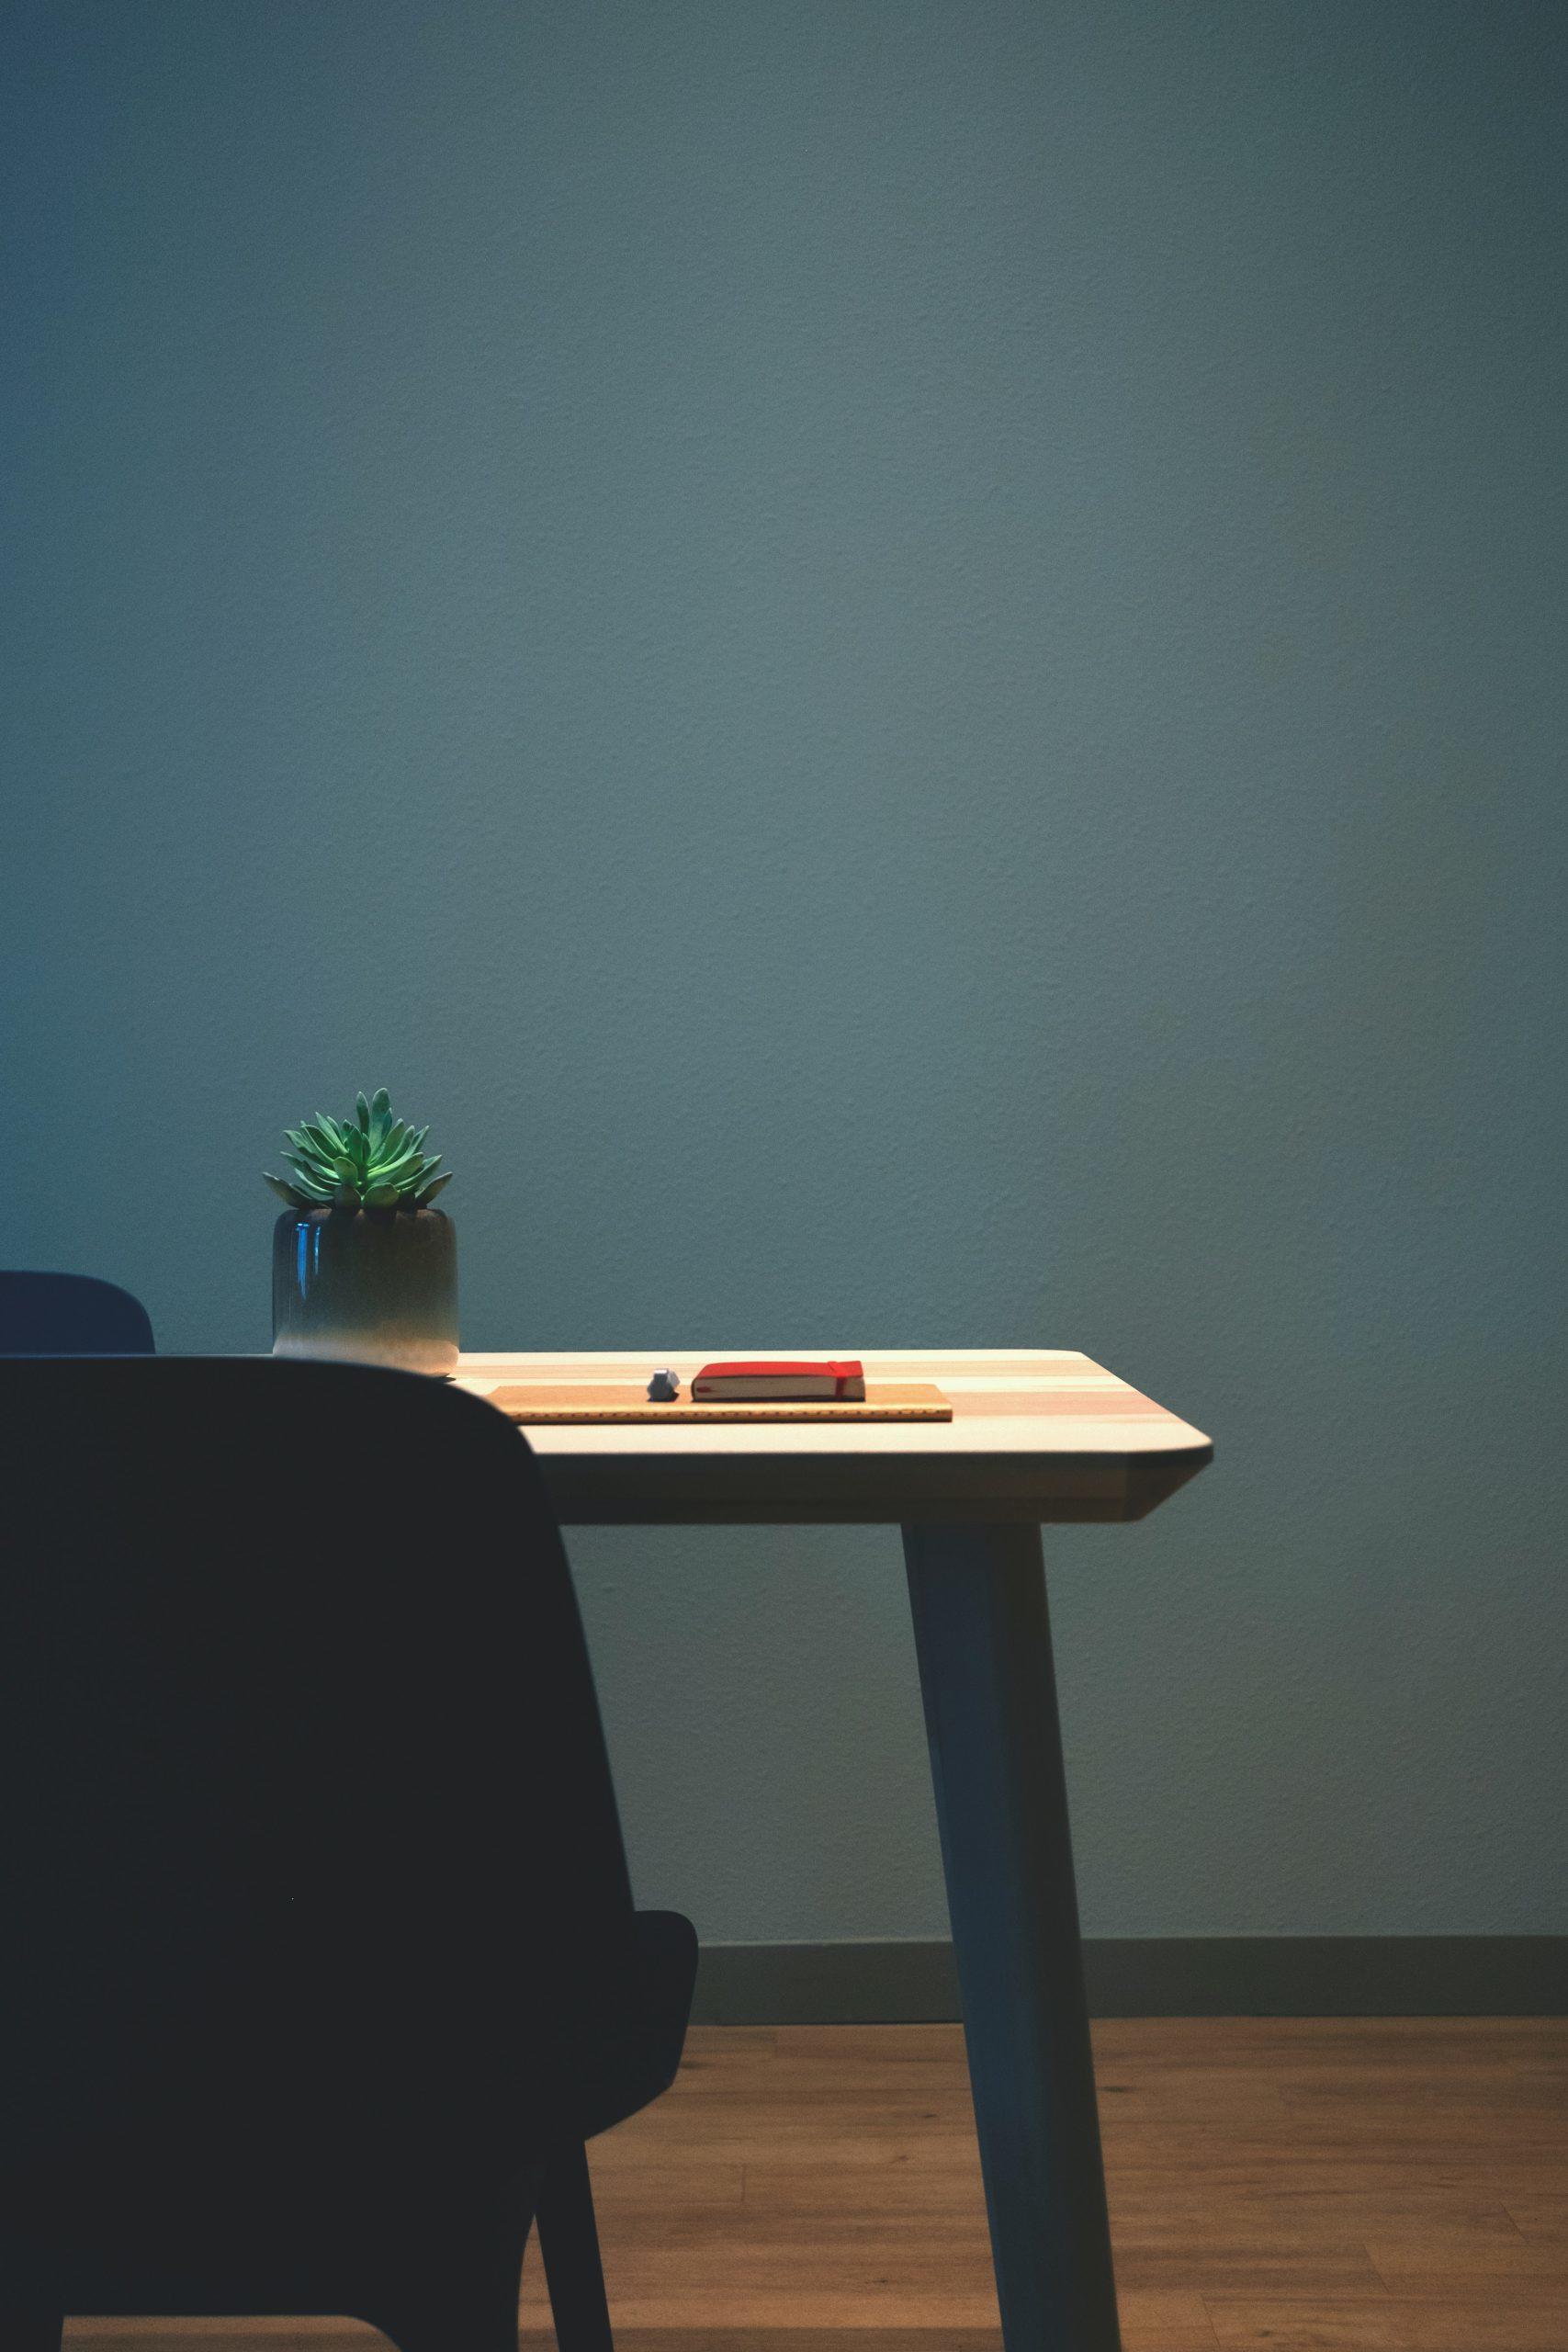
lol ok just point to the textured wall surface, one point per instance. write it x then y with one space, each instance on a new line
904 662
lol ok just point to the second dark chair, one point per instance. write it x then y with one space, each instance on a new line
320 1958
70 1314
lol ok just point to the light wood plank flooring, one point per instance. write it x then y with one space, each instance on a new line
1294 2186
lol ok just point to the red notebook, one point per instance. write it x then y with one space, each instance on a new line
765 1382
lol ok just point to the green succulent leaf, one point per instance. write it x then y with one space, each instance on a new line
312 1170
423 1200
403 1158
362 1112
284 1191
382 1196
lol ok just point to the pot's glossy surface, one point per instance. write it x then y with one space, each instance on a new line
367 1286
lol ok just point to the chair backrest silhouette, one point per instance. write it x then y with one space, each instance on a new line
70 1314
311 1886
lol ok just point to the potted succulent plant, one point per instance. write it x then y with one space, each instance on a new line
363 1268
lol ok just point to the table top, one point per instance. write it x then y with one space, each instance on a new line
1037 1434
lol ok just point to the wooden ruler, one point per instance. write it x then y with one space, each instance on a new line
581 1400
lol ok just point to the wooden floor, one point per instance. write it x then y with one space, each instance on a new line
1377 2186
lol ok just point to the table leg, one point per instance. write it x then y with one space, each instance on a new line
983 1639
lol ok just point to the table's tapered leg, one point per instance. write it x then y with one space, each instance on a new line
983 1638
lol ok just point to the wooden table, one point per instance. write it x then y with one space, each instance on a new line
1037 1435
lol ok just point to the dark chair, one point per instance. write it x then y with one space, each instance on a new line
70 1314
318 1958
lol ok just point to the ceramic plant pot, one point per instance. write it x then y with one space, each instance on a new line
367 1286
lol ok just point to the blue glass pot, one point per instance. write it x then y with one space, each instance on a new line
367 1286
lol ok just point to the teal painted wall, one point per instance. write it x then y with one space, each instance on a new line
905 662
